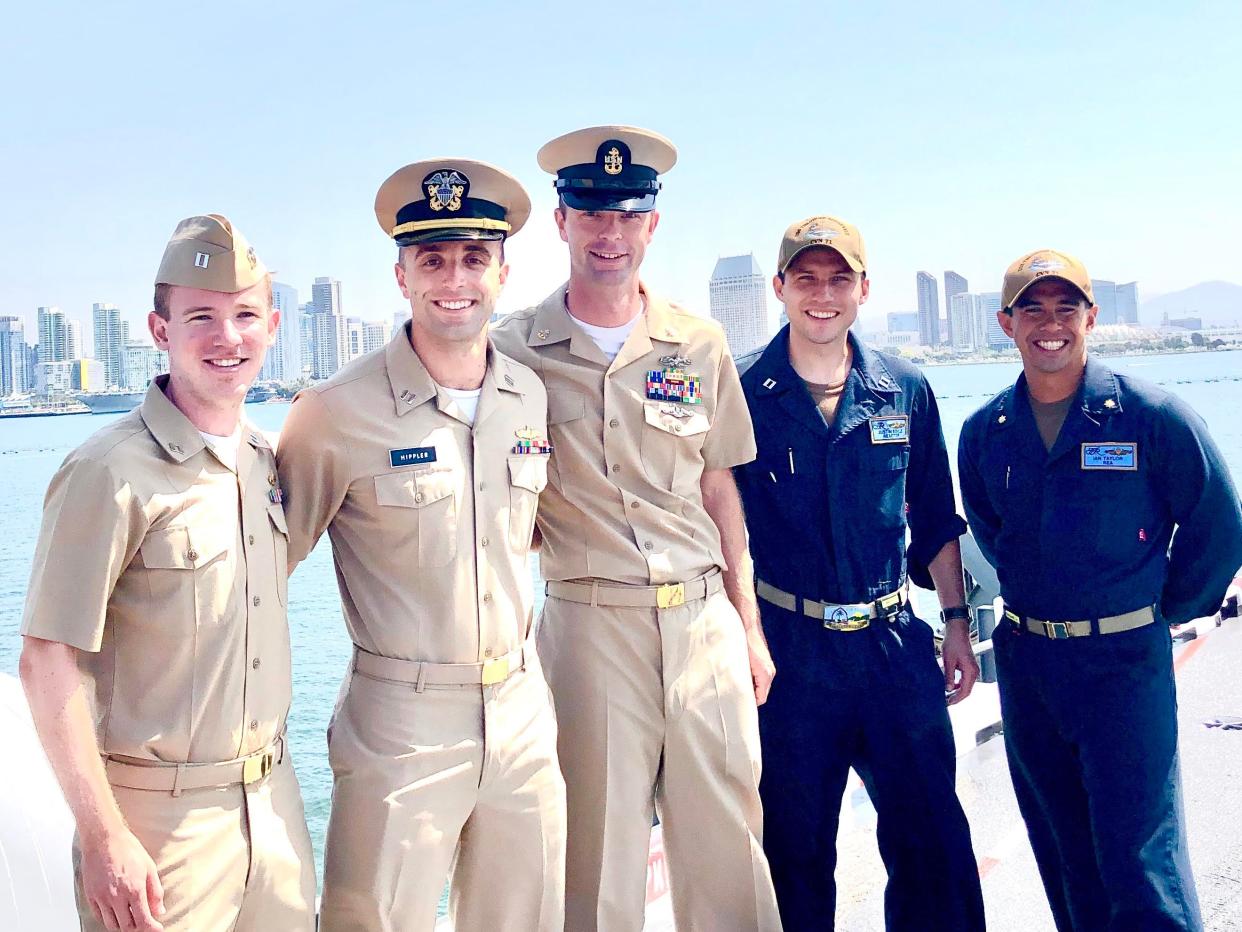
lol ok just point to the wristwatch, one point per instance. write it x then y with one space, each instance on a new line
955 613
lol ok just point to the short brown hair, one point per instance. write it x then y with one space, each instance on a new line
160 301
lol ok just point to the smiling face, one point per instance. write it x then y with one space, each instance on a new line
605 246
821 294
452 287
1049 323
215 342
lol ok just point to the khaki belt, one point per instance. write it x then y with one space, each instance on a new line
668 595
420 673
1057 630
136 774
845 617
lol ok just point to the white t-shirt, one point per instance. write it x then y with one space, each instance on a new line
225 448
610 339
467 400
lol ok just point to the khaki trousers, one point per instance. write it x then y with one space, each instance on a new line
231 859
460 780
655 707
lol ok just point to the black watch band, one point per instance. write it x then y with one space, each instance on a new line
955 613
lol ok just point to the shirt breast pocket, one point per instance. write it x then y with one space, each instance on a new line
280 549
528 476
882 480
191 574
672 445
430 525
565 413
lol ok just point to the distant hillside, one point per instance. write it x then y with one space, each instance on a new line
1218 303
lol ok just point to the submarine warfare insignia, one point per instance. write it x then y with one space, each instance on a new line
674 383
530 441
445 189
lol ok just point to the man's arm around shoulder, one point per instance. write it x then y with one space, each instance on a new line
119 878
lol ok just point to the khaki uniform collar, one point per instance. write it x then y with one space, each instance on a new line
552 324
412 384
175 433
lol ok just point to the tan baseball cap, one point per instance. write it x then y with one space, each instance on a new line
824 231
1044 263
206 252
450 199
609 167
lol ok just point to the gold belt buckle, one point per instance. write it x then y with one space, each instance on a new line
671 595
257 767
1057 630
1013 617
845 618
495 671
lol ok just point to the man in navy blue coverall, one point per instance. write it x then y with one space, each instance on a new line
1075 480
850 453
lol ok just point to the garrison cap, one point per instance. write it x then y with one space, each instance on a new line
1044 263
450 199
609 167
207 252
823 231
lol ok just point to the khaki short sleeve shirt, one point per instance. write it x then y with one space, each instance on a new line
430 518
623 500
167 569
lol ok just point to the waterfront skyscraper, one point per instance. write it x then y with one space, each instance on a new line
738 300
953 284
989 307
1106 299
53 335
963 313
110 336
330 350
14 378
1127 303
284 360
929 309
374 335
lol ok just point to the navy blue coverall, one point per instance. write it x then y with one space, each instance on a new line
1081 533
827 510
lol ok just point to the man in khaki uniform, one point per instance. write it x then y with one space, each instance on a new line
424 461
645 555
156 654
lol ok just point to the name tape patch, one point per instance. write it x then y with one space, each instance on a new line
893 428
411 456
1122 456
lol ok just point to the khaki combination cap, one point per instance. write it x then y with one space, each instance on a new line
609 167
823 231
450 199
207 252
1044 263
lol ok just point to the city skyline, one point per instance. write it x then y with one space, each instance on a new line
118 155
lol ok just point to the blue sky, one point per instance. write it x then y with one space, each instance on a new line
956 135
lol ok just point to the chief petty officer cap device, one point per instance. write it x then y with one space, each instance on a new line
1044 263
450 199
609 167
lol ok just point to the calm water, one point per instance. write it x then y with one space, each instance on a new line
31 449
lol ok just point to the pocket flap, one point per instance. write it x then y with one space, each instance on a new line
675 419
413 489
529 471
173 548
277 514
565 406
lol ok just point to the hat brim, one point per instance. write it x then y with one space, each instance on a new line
850 261
630 201
1043 278
445 236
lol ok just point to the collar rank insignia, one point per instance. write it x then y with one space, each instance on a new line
445 189
530 441
1109 403
674 383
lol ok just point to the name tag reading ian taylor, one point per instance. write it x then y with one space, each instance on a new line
1122 456
411 456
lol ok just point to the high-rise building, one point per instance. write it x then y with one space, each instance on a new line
738 300
283 362
307 328
109 342
929 309
375 335
903 322
330 351
353 338
963 313
140 363
326 296
953 284
1127 303
75 346
989 307
53 335
1106 299
13 372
